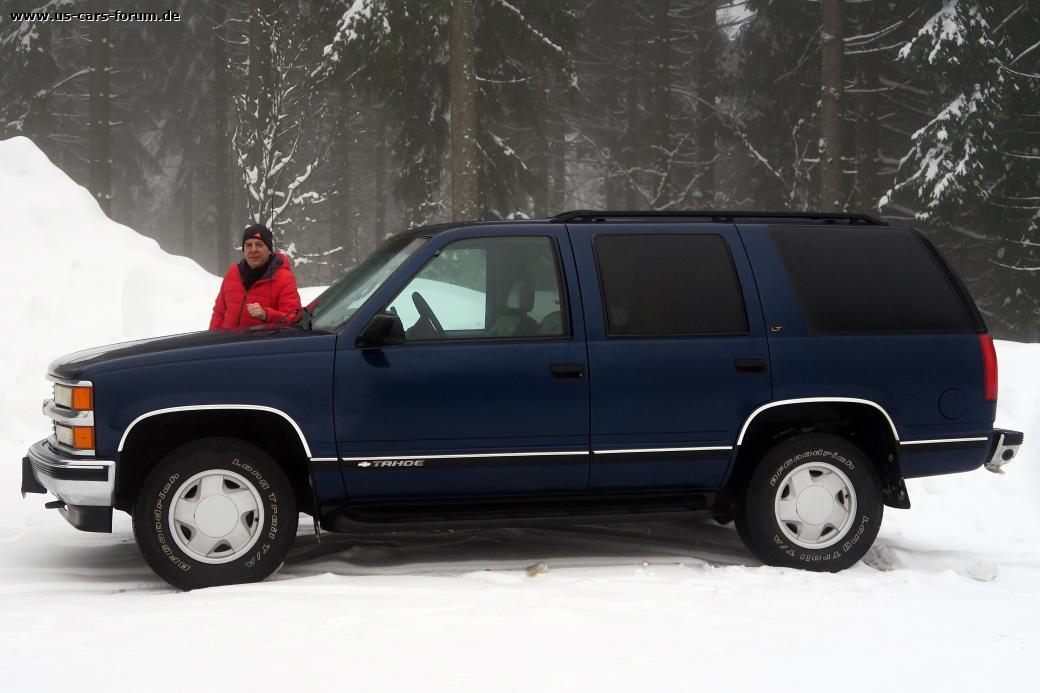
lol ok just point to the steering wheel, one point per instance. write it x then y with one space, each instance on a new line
426 313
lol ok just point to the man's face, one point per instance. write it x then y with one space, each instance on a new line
255 252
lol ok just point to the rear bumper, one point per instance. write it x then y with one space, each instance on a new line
1003 449
85 486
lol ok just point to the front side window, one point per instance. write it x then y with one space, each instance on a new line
485 288
657 285
339 302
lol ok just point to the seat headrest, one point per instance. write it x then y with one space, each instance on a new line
521 295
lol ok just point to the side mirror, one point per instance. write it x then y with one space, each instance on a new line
385 329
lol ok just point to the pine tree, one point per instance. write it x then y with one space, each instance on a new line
946 168
271 141
773 110
398 52
971 171
31 73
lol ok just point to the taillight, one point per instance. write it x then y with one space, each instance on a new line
989 365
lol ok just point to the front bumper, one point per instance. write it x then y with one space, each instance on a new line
86 487
1003 449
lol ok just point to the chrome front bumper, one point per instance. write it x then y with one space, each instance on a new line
86 487
1004 449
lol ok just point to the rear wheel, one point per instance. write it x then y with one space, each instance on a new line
216 511
813 502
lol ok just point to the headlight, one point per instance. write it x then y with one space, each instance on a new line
74 397
75 437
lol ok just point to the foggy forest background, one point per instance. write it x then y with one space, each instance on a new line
338 122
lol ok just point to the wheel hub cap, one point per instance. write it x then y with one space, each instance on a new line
216 516
815 505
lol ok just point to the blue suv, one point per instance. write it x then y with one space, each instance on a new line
784 371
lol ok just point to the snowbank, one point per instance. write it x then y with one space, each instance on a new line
75 279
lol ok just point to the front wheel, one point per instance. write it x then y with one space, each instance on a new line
215 511
813 502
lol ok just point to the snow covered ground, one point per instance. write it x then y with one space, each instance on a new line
949 598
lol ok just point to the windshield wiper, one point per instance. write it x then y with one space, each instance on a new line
301 317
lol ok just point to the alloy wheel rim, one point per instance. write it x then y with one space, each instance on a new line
815 505
216 516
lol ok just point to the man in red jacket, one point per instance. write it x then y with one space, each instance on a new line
260 288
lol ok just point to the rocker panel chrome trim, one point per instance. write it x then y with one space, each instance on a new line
935 441
811 400
638 450
403 456
212 407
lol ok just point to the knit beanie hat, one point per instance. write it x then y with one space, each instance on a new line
258 231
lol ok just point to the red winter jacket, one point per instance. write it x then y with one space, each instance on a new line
275 291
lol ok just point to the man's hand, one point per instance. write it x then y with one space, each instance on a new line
256 311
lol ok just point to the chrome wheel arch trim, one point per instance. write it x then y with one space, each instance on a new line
814 400
212 407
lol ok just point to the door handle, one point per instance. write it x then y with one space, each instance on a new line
567 371
751 365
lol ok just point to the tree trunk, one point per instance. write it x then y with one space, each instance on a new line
380 175
661 99
611 195
259 97
187 187
188 213
40 124
100 112
221 141
630 148
869 134
541 161
830 112
540 157
707 89
463 113
558 159
344 233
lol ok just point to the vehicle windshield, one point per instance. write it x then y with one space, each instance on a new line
338 303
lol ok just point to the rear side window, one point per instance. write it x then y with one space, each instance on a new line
857 280
669 284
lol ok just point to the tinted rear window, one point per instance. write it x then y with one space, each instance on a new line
856 280
669 284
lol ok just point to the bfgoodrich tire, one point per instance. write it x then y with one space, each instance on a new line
813 502
216 511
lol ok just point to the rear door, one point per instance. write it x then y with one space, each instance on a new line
677 351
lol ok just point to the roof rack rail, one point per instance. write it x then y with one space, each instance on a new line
718 216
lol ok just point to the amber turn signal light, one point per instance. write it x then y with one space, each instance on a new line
83 437
82 398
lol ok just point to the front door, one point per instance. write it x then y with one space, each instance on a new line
677 351
488 394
